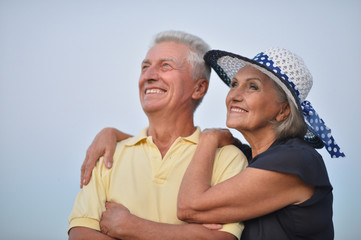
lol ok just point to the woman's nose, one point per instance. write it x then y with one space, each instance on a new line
235 95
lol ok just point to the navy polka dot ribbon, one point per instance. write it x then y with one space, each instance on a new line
321 129
310 115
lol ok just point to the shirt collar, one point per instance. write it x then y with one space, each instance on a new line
142 136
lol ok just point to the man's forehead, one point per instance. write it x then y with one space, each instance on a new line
171 51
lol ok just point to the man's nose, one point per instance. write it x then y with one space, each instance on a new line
151 73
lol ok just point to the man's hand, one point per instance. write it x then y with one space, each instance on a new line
119 223
114 219
103 145
214 226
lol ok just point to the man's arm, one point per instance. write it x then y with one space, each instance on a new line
88 207
118 222
83 233
143 229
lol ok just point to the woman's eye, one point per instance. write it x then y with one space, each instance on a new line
233 84
253 86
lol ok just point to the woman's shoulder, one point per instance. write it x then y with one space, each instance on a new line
293 156
292 149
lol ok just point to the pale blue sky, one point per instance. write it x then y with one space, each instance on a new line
68 68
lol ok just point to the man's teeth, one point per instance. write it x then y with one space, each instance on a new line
237 110
153 91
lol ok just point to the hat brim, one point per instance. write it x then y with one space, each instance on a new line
227 64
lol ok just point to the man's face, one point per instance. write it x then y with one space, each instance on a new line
165 82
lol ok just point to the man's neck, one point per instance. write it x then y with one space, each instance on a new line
165 133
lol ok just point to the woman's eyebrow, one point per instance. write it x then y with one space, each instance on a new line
248 79
254 78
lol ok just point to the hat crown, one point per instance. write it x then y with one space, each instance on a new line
294 67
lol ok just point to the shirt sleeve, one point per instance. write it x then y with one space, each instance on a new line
90 201
229 162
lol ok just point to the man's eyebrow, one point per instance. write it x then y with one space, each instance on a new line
146 61
167 59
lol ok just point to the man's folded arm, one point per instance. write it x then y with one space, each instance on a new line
84 233
142 229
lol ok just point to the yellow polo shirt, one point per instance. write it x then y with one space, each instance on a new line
147 184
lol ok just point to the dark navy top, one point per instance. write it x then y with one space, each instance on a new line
311 219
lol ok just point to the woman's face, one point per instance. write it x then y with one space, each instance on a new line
252 102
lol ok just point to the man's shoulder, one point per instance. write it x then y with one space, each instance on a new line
131 141
126 143
229 149
231 153
229 161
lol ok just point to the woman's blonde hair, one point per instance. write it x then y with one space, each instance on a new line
294 125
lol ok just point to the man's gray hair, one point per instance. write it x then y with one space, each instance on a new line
197 46
197 49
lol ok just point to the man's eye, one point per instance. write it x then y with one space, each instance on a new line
166 66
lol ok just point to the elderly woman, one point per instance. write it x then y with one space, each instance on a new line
285 192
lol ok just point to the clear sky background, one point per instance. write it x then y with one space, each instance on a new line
68 68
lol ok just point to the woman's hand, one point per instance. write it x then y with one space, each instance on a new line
220 136
103 145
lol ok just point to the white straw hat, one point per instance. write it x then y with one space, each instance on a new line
291 74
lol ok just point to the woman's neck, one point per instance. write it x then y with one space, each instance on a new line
259 141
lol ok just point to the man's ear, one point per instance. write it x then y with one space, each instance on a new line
200 88
284 112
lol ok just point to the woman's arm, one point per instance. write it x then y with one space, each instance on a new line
251 193
103 145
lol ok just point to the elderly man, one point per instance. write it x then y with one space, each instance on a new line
137 197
